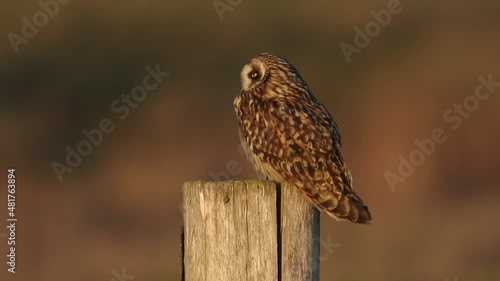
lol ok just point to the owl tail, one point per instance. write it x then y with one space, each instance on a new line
347 208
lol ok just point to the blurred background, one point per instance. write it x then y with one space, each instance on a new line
120 207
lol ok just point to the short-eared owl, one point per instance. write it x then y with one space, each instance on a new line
289 136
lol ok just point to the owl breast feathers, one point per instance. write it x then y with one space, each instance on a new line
289 136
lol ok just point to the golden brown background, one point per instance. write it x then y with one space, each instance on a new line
120 207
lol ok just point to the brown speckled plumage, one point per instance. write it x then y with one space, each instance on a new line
289 136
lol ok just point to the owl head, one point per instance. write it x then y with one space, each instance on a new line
270 76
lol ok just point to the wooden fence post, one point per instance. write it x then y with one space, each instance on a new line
248 230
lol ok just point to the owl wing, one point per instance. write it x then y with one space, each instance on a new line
312 160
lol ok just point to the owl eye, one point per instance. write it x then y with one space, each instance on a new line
253 74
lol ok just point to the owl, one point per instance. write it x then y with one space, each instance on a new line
289 136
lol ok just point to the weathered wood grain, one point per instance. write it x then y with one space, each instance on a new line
299 236
248 230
